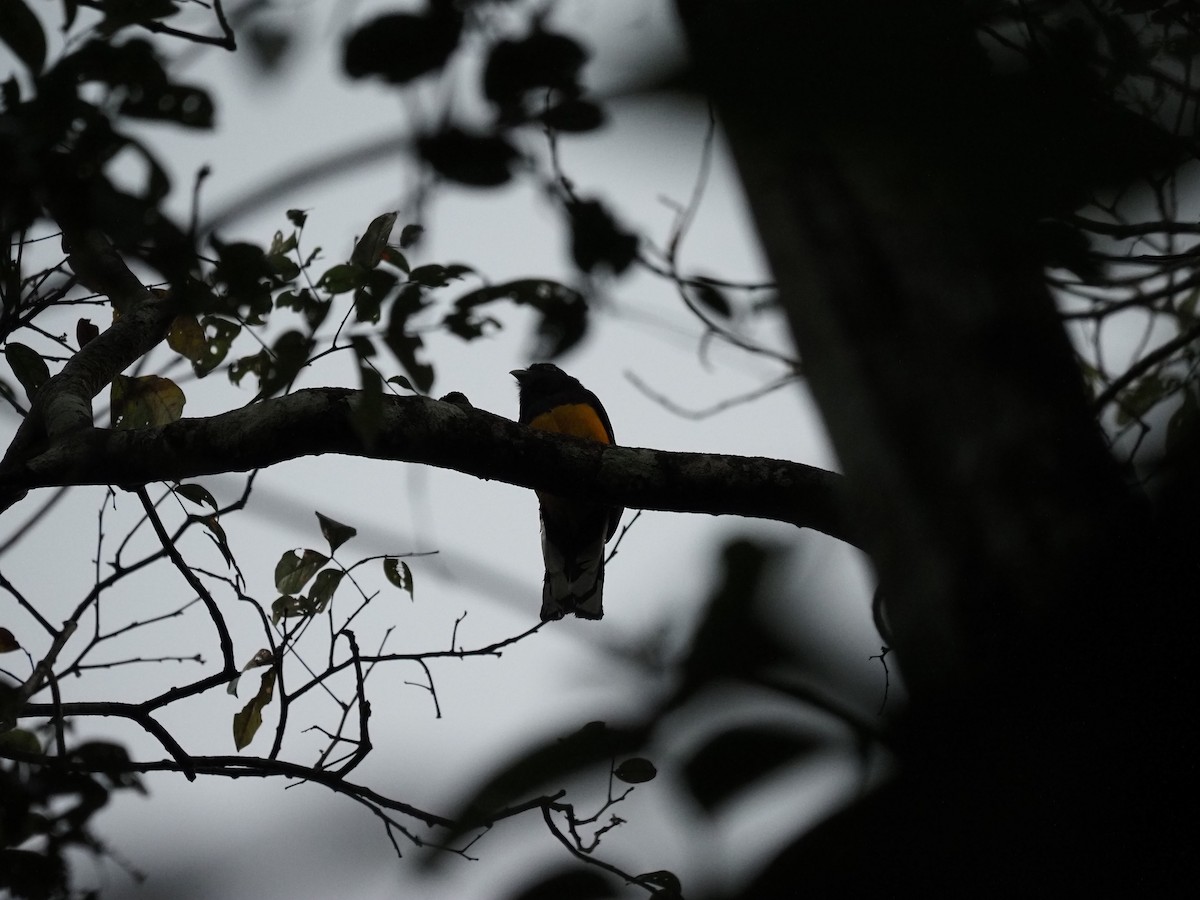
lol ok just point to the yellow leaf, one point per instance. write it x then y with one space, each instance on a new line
145 401
247 722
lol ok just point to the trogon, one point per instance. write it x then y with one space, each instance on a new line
574 532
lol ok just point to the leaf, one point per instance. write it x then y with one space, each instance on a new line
85 332
196 493
394 257
297 217
293 571
262 658
217 533
597 239
186 337
29 367
541 60
402 381
399 574
21 29
400 47
20 740
322 590
247 722
668 884
478 160
574 115
219 335
342 278
369 249
145 401
410 234
8 641
335 532
289 607
635 770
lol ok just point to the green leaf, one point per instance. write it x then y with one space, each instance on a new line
186 337
196 494
21 740
636 770
21 29
247 722
399 574
342 278
145 401
289 607
322 591
293 571
369 249
335 532
29 367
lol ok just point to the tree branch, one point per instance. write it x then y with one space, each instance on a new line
452 436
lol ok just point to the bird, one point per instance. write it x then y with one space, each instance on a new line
574 532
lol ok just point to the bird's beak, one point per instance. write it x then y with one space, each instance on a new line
519 373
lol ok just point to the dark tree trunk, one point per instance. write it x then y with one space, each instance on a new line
1038 613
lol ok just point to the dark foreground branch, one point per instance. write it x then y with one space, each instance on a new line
452 436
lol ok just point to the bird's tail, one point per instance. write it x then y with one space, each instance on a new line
575 585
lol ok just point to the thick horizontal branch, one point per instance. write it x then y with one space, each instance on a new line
449 435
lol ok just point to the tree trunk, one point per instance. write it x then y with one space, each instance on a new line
1028 604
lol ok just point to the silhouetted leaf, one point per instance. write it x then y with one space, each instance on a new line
542 60
597 240
196 493
399 574
8 641
326 583
399 47
293 571
369 249
219 335
410 234
735 759
85 332
29 367
479 160
574 115
335 532
563 312
635 770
